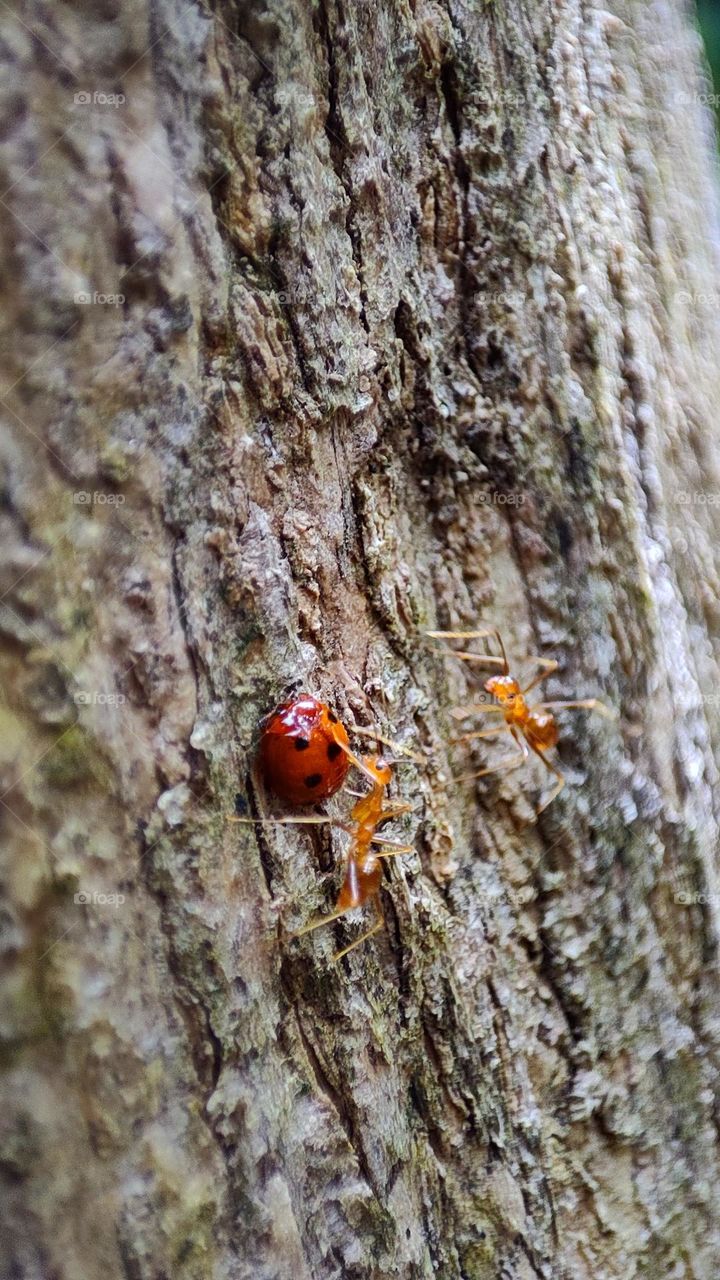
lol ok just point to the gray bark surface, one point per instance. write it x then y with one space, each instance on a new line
419 327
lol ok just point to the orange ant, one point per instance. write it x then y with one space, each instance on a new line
363 871
532 727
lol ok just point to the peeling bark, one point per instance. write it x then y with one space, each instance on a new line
414 318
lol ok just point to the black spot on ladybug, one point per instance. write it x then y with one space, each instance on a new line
301 744
333 750
313 780
332 717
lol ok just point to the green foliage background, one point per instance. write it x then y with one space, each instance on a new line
709 19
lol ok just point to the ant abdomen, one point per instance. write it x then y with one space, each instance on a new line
362 882
541 730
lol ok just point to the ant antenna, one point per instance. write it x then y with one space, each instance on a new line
480 634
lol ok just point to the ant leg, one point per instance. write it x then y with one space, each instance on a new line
395 811
492 658
560 781
355 760
363 936
593 704
509 763
360 764
465 635
314 820
387 742
315 924
475 709
549 664
394 846
474 635
480 733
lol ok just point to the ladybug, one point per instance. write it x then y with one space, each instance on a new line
302 754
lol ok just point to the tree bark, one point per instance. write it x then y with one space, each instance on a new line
328 324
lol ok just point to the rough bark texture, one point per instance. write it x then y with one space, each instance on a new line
420 320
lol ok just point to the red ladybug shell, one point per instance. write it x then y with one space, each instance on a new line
301 755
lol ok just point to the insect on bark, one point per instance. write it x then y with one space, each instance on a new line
363 865
531 726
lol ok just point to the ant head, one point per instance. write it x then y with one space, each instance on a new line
380 769
504 688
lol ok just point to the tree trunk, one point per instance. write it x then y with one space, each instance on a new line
330 323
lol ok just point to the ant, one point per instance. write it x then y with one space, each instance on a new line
533 728
363 871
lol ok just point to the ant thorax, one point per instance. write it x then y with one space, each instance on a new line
366 811
507 691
